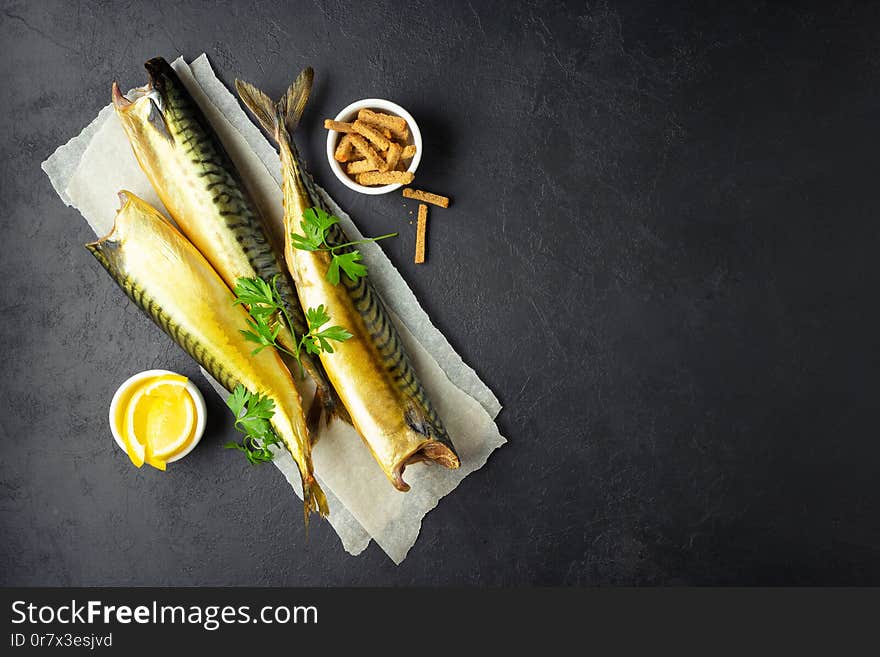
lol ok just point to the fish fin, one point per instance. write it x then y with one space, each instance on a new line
325 404
329 402
259 104
326 401
313 417
293 103
314 499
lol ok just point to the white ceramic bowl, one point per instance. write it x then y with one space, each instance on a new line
198 400
348 115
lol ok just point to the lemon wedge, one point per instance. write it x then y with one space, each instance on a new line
170 421
137 451
158 420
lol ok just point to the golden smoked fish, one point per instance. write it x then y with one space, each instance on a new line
172 282
202 190
371 371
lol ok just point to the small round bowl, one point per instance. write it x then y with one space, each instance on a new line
349 115
198 400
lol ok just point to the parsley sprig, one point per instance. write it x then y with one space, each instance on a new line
252 415
317 340
267 309
315 225
253 412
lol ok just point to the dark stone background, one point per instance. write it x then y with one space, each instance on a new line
662 256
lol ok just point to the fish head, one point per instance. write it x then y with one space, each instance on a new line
135 211
171 97
167 89
107 248
144 111
140 112
135 218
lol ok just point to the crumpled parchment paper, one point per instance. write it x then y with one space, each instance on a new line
91 168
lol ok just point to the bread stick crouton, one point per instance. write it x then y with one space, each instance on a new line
360 166
421 234
367 151
371 133
343 149
385 178
394 123
392 157
338 126
427 197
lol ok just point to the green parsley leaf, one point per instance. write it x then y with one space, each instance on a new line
251 291
261 406
333 272
335 333
253 413
264 324
315 224
237 400
266 310
350 264
317 317
320 218
316 340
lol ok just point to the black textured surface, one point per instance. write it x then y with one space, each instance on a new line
661 256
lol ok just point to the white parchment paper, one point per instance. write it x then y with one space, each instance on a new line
91 168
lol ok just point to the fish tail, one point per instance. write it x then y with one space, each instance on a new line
278 119
314 499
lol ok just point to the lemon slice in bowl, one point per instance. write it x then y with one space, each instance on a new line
157 417
171 419
161 418
136 450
